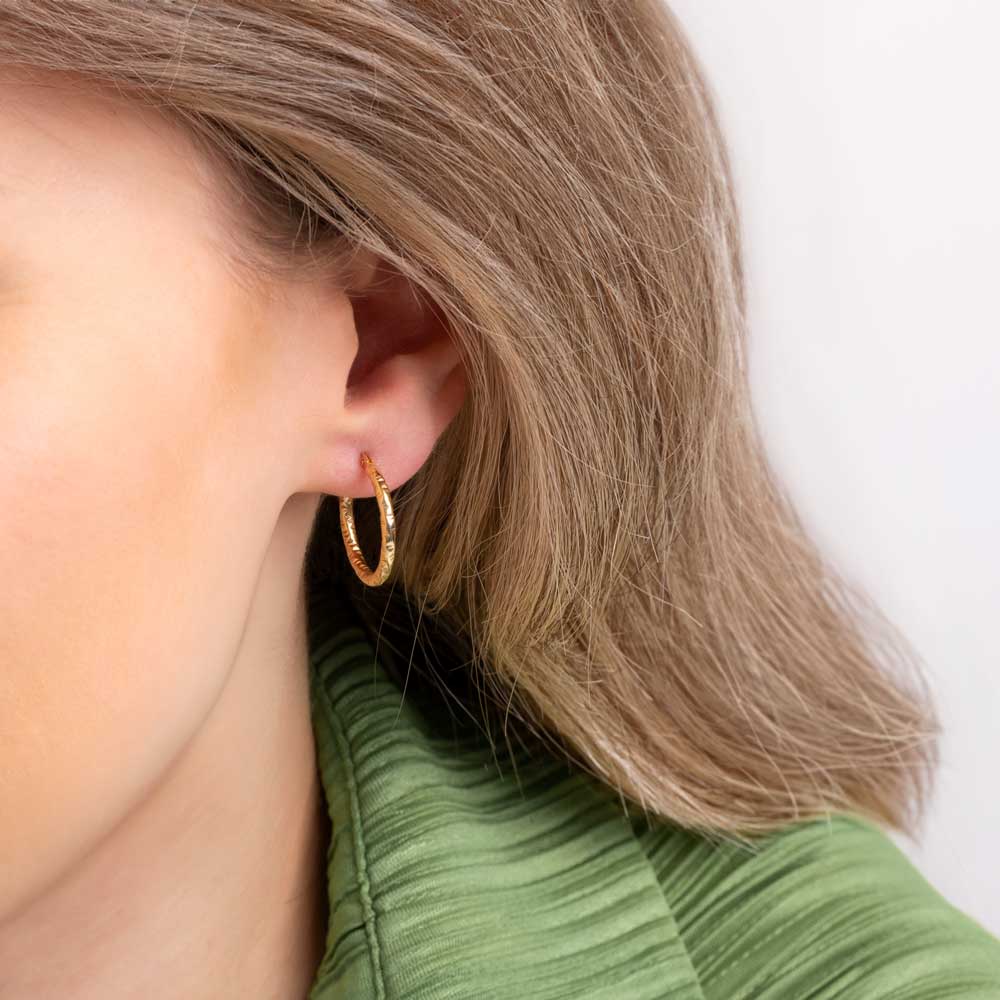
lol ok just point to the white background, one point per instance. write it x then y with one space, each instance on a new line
864 135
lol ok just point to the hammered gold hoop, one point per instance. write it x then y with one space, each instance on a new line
387 520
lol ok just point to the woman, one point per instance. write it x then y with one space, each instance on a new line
598 721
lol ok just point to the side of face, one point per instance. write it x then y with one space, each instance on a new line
153 424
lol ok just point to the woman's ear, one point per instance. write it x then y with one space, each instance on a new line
405 385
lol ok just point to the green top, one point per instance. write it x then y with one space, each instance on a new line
457 873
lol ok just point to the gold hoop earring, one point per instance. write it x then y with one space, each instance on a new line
387 520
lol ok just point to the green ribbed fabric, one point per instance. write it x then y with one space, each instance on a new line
456 873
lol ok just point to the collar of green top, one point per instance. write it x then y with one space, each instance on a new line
459 872
456 870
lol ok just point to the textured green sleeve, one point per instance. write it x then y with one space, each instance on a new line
821 910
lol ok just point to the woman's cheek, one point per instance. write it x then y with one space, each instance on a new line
100 679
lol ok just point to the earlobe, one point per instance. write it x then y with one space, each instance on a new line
397 413
406 384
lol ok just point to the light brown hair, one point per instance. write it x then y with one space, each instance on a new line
600 522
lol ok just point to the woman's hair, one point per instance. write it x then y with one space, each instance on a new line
599 524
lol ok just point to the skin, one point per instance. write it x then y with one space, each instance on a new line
166 434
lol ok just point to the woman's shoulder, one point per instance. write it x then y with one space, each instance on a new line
460 868
825 908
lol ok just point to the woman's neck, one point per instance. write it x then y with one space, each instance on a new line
214 886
